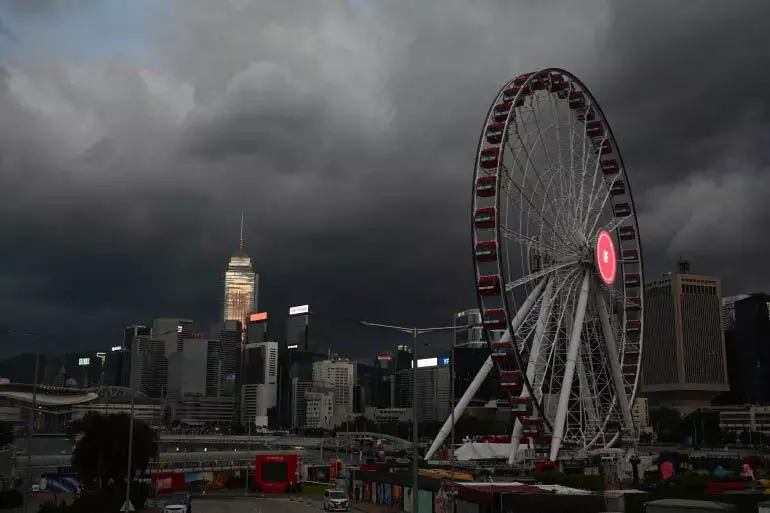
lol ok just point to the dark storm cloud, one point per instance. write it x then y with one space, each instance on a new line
686 92
687 83
347 134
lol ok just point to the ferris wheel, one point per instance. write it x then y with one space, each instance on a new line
558 266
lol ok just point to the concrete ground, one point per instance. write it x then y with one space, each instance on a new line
253 505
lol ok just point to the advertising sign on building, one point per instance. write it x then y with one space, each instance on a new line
256 317
296 310
84 361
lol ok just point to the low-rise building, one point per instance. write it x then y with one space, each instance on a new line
319 410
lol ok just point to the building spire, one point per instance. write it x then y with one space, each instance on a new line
240 240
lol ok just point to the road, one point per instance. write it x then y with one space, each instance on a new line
247 505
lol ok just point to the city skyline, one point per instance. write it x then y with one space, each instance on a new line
127 151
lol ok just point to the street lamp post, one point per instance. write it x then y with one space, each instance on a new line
131 425
415 332
31 419
30 428
452 406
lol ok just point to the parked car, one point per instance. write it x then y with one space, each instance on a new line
336 500
178 502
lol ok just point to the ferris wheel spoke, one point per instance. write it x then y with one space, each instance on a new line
583 164
613 225
590 411
607 194
561 174
560 306
531 203
531 164
571 148
567 177
539 274
614 361
558 342
542 140
595 190
569 368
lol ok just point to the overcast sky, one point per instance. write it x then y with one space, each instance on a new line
133 132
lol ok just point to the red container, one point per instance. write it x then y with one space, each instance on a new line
168 482
276 472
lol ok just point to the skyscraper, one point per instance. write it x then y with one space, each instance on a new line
240 286
748 351
256 331
684 364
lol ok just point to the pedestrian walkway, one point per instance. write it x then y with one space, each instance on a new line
368 507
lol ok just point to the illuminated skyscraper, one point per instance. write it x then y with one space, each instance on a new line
240 286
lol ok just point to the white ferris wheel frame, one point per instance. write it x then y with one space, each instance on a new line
588 328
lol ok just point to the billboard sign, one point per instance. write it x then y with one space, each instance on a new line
293 346
444 360
256 317
427 362
385 357
296 310
117 348
84 361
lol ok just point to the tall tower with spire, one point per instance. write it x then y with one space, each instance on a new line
240 285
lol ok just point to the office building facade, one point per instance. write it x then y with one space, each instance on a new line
433 390
172 332
187 369
683 330
253 364
292 364
298 328
298 404
131 332
338 376
468 331
117 368
747 340
201 411
256 331
149 366
230 336
319 410
259 382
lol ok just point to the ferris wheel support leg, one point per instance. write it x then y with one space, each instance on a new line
542 322
470 392
446 429
612 353
569 368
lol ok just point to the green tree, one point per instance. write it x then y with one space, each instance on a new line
100 457
6 434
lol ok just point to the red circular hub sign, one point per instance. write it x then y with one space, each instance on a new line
606 262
